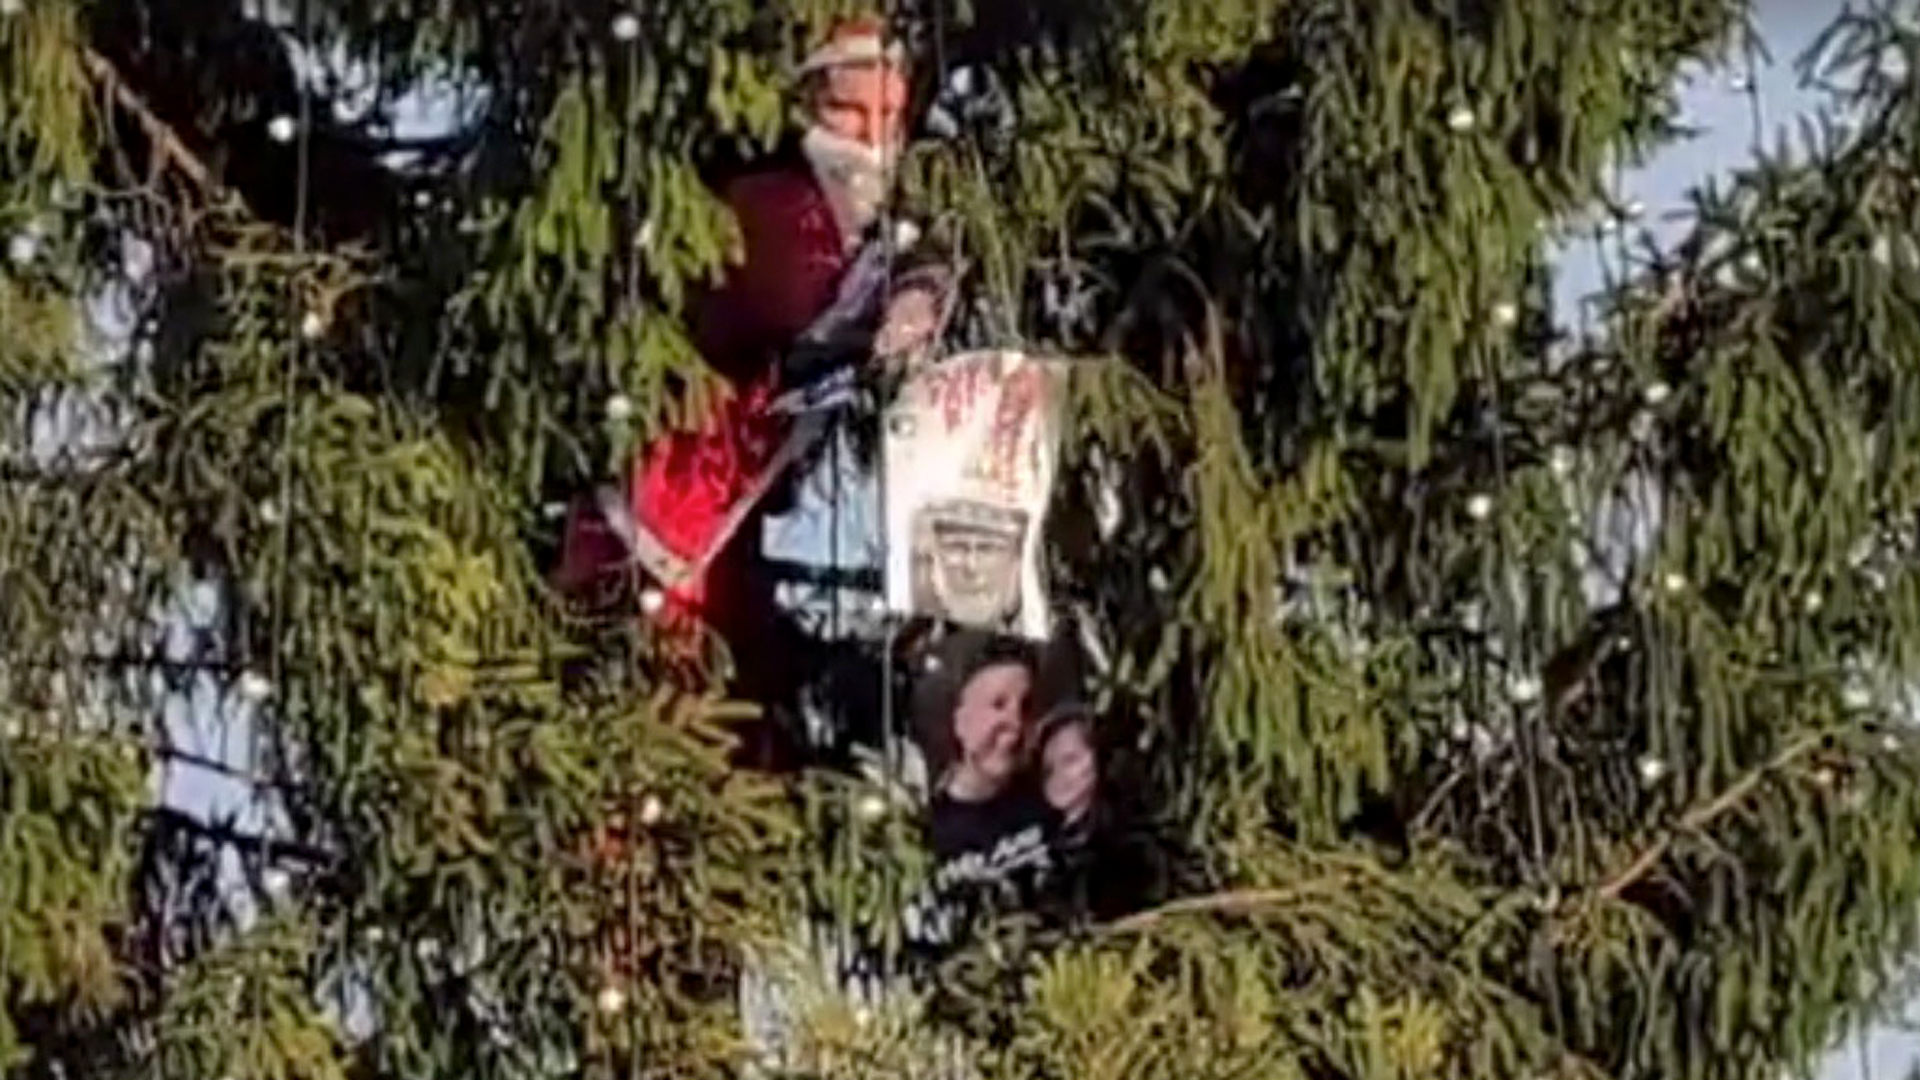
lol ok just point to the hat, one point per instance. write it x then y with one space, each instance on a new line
854 41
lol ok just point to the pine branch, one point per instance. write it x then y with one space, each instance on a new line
1702 815
1230 902
271 848
166 141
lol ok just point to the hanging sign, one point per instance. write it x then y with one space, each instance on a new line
971 449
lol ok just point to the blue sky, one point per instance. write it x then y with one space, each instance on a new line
1714 102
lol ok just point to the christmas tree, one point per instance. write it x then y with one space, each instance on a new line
1495 703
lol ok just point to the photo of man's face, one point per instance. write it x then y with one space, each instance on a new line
968 562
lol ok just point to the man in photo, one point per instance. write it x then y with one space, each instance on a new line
967 562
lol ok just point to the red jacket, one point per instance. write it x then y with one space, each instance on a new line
684 483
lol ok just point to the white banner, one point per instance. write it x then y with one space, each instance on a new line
972 446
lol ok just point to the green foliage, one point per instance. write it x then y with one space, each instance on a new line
1439 811
67 839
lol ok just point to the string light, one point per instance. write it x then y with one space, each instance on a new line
313 326
282 128
619 407
652 810
1523 689
1480 506
1652 769
612 999
1462 118
626 26
255 687
1657 393
1674 582
22 248
1560 461
1506 314
872 807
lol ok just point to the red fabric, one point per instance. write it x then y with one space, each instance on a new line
684 483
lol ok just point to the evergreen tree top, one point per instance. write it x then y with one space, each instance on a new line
1445 777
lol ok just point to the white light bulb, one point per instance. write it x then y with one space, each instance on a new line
1882 250
1560 460
1890 743
313 325
1813 603
1633 210
1506 314
626 26
619 407
1657 392
22 248
1523 689
1674 582
276 881
554 511
652 601
1652 769
1480 506
1461 118
872 807
270 512
1856 697
652 810
1157 580
255 686
282 129
612 999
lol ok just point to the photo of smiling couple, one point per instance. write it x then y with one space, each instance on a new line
1017 806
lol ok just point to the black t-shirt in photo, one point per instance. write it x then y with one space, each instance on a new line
995 854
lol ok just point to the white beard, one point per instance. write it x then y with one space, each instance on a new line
855 177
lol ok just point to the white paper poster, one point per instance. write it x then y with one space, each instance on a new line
972 446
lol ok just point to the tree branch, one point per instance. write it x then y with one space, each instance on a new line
1230 902
1702 815
271 848
166 141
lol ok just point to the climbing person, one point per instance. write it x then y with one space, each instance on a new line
803 296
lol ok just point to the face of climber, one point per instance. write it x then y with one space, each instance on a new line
854 137
989 724
1070 768
862 104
